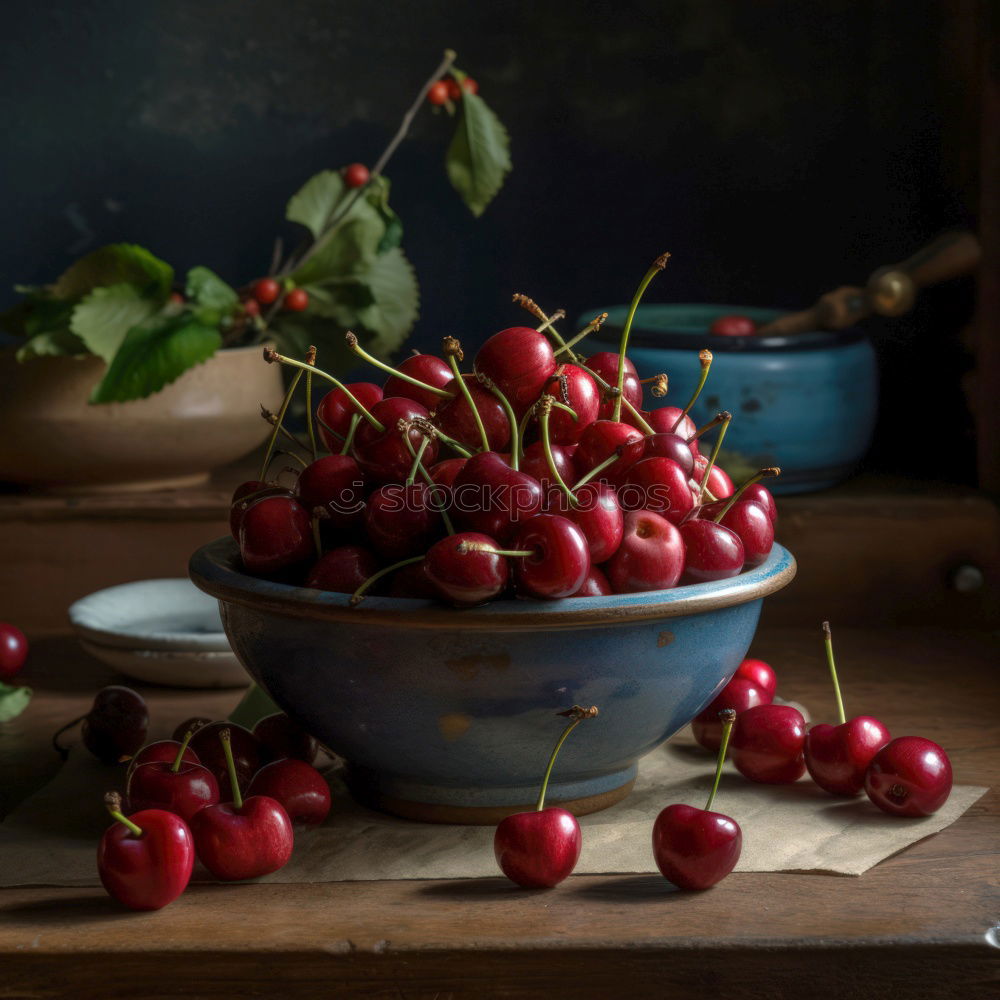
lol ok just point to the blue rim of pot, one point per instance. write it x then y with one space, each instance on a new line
216 569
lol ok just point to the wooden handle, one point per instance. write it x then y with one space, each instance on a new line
949 256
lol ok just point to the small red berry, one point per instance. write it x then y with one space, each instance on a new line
296 300
251 307
438 94
176 298
470 86
266 291
356 175
454 91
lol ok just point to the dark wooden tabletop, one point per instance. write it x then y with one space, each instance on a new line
917 926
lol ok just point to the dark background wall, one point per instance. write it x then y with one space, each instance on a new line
776 148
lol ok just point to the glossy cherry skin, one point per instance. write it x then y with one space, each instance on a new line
455 417
537 850
411 581
335 411
719 483
760 674
298 786
519 361
837 757
581 394
162 750
343 570
244 495
402 521
383 455
466 579
597 514
427 368
491 498
13 650
739 694
660 485
185 791
246 754
663 418
116 725
761 496
280 738
535 464
596 585
446 471
711 551
235 843
672 446
605 364
600 440
733 326
767 744
275 533
561 559
749 521
911 776
149 870
650 557
695 848
337 484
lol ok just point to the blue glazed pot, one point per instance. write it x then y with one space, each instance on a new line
450 716
806 403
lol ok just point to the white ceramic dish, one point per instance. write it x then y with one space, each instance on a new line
174 668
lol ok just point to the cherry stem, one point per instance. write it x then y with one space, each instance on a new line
272 419
310 360
349 440
359 595
227 748
636 415
828 642
763 474
56 745
728 717
594 324
577 714
515 435
279 419
726 417
417 457
352 343
464 548
530 305
453 361
714 422
547 325
329 429
545 411
705 357
658 265
272 356
113 803
435 488
597 470
179 759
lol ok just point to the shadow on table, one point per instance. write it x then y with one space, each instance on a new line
481 889
93 907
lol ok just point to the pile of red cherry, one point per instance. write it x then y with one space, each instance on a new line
216 791
538 475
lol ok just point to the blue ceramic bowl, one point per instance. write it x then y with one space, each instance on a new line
806 402
450 716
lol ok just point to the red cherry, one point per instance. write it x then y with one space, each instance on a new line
454 90
160 751
470 86
492 498
660 485
466 578
733 326
337 485
605 365
251 307
535 464
266 291
596 585
838 756
760 495
739 695
538 850
711 552
426 368
650 557
767 743
246 753
438 93
343 570
298 786
560 561
356 175
275 533
383 455
411 582
519 361
597 514
600 441
335 411
151 868
280 738
244 494
695 848
116 725
750 523
455 417
445 472
760 674
911 776
296 300
719 483
157 785
671 446
574 387
664 418
13 650
401 520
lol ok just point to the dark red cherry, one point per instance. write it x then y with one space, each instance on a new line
663 418
749 521
275 533
711 552
768 743
244 495
281 738
650 557
343 569
719 483
402 520
335 411
602 439
337 484
739 695
426 368
760 495
383 455
466 578
597 513
659 485
596 585
116 724
535 464
605 364
574 387
519 361
247 754
444 472
411 581
491 498
560 559
455 417
671 446
733 326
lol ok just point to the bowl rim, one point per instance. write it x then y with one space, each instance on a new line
214 569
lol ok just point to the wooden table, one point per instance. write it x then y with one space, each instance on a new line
914 927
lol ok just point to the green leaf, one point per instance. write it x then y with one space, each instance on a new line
106 315
54 343
478 157
209 290
13 701
351 247
154 354
116 264
378 197
393 286
312 205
